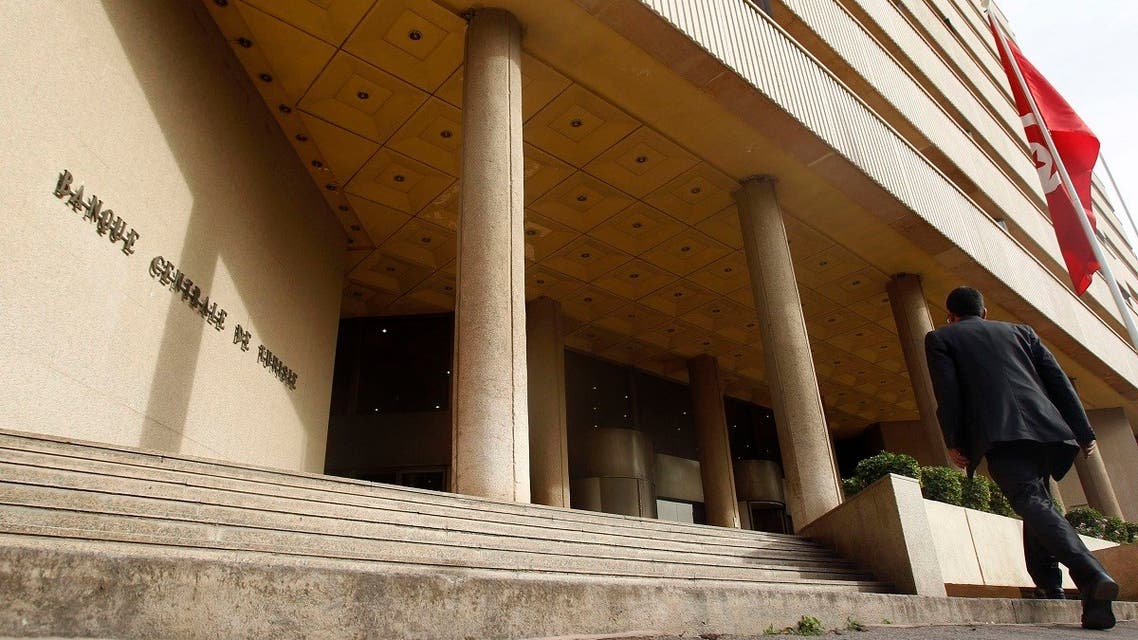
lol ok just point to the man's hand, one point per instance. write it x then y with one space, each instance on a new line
1089 448
961 460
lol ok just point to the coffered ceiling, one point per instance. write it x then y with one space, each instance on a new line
636 236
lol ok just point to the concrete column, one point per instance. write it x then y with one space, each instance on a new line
813 487
548 435
1096 484
1120 454
911 313
715 464
491 427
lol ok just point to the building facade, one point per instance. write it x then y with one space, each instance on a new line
654 257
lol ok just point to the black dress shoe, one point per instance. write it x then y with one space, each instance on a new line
1098 595
1050 594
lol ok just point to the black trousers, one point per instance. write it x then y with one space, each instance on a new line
1022 470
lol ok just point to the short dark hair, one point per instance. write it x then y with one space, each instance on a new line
965 301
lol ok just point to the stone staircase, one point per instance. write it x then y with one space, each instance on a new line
53 489
105 541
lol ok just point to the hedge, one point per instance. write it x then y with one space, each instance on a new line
876 467
976 493
941 484
1087 521
948 485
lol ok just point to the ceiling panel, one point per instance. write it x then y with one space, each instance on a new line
443 209
399 181
724 227
422 243
694 195
641 163
388 273
329 20
687 252
581 201
362 98
586 259
544 237
637 229
542 172
378 221
416 40
577 126
339 152
724 276
541 281
635 279
433 135
273 51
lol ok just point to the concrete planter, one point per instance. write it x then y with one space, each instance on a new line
981 554
1121 561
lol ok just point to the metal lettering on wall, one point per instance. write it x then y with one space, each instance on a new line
277 366
105 221
168 274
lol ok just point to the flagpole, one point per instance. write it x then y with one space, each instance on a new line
1125 209
1104 265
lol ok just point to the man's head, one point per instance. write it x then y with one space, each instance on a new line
965 302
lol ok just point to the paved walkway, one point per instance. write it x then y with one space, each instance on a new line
1124 631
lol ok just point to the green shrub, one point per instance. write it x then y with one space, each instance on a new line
1115 530
999 502
1132 531
1087 521
851 486
1058 502
876 467
941 484
976 493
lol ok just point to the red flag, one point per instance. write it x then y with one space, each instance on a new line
1078 151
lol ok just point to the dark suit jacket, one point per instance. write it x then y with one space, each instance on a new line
996 382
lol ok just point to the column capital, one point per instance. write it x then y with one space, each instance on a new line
904 275
759 179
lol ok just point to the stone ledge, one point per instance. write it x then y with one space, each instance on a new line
83 589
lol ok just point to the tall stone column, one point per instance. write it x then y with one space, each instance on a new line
715 465
813 487
490 455
911 313
1119 454
1096 484
548 433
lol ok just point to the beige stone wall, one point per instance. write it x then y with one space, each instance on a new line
144 104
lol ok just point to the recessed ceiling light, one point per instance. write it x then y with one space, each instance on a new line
415 35
575 122
245 42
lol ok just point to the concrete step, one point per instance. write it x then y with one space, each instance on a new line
21 467
74 588
271 480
